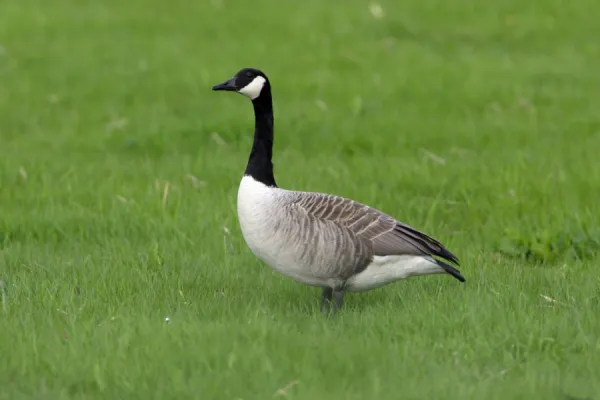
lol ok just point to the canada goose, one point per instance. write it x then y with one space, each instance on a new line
319 239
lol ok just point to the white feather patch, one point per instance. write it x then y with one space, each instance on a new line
253 89
387 269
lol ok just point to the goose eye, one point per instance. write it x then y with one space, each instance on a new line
249 74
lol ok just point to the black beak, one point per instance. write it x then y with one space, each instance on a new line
229 85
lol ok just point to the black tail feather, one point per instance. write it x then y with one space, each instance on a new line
451 270
427 244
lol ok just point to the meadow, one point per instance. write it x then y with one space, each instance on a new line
123 270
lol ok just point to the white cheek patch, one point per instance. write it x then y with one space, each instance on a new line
252 90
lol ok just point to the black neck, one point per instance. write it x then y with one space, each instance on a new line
259 165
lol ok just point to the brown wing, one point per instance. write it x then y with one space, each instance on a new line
387 235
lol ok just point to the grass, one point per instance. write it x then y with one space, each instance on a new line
119 168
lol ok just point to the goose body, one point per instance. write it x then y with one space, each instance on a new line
320 239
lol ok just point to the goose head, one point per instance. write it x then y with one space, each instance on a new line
250 82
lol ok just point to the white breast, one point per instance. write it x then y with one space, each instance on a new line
255 202
259 211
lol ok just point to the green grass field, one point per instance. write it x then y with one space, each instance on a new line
475 122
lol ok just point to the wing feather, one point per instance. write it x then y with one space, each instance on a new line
386 235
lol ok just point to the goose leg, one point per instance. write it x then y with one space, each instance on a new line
326 299
338 300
